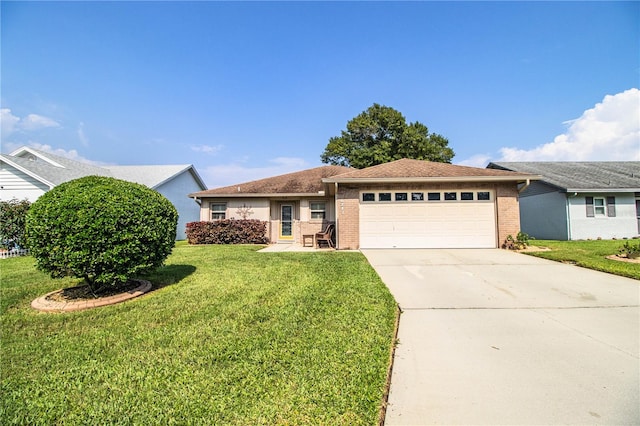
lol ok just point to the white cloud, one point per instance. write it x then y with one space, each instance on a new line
35 122
9 122
225 175
12 123
207 149
609 131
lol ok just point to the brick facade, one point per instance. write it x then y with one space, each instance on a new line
508 211
348 205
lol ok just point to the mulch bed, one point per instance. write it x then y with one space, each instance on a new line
84 292
623 259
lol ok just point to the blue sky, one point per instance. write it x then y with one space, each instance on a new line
245 90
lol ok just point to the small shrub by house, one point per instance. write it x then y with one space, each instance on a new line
13 214
228 231
101 229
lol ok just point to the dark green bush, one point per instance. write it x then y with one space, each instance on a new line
13 214
101 229
228 231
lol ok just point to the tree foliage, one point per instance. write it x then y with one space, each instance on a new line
101 229
381 134
13 214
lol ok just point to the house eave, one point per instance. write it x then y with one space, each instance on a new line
261 195
592 190
452 179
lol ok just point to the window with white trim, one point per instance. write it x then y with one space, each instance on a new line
598 206
318 209
218 211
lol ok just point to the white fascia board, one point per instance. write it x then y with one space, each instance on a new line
187 168
261 195
603 190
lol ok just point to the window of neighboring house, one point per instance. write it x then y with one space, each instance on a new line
596 206
483 196
368 196
401 196
318 210
466 196
384 196
218 211
433 196
417 196
450 196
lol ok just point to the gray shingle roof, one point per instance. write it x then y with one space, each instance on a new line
150 176
583 175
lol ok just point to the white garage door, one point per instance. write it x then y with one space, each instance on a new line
446 219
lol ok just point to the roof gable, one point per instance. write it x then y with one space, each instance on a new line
303 182
153 176
582 175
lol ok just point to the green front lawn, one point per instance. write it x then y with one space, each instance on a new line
589 254
231 337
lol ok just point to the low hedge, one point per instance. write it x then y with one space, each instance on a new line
228 231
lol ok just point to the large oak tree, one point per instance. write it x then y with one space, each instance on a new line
381 134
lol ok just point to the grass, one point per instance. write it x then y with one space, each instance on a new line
589 254
231 336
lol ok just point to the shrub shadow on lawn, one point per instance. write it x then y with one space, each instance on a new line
168 275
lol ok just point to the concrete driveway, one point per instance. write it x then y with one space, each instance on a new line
496 337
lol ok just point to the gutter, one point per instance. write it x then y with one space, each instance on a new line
527 183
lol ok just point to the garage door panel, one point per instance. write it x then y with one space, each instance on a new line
428 225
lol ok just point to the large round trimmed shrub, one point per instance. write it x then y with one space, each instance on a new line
101 229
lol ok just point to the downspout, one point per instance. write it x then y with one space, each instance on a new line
575 194
199 203
525 186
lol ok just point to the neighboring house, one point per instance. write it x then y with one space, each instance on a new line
29 173
579 200
401 204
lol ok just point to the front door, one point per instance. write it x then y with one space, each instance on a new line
286 222
638 214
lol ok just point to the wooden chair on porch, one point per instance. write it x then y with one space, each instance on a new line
326 236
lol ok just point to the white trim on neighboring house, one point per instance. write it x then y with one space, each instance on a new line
188 168
27 171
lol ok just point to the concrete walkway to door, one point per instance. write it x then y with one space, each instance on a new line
496 337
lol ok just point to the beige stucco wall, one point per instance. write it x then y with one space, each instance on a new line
269 211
